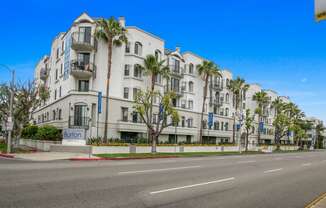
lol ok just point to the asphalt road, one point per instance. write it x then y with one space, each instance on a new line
278 180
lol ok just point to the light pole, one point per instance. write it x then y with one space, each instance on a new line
10 119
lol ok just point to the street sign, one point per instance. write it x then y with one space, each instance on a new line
210 119
99 102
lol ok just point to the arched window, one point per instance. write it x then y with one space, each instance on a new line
226 126
191 68
138 48
227 98
137 71
158 55
191 86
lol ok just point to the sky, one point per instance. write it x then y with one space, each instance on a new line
277 44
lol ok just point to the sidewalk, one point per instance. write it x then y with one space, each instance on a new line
51 156
320 202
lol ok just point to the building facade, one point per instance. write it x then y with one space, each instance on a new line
76 71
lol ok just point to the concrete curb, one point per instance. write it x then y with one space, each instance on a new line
117 158
316 201
7 155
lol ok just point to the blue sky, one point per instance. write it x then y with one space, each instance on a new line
275 43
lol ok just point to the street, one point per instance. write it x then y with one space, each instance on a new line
276 180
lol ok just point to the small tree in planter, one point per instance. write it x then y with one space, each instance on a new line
165 111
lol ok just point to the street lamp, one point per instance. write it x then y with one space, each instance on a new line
10 121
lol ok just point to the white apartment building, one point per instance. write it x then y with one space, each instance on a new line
76 69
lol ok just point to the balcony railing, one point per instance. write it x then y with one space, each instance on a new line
82 41
176 70
81 69
81 122
217 102
216 86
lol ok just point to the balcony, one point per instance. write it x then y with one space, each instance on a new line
216 86
79 122
176 71
43 74
82 70
177 90
81 41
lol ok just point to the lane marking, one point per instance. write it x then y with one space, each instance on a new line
306 164
157 170
193 185
273 170
247 161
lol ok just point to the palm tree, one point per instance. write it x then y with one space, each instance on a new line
319 138
238 87
277 105
153 68
262 101
110 31
248 123
205 70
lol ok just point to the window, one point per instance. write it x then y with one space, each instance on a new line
127 70
191 68
62 46
126 93
53 115
175 84
83 60
226 126
227 98
191 86
128 47
158 79
56 74
226 112
85 35
216 125
60 91
83 85
183 121
138 48
183 103
55 94
124 113
190 122
60 114
137 71
158 55
184 86
155 118
135 92
134 117
57 53
61 69
175 65
190 104
227 82
222 126
221 112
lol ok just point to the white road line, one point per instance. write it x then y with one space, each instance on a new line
306 164
248 161
273 170
193 185
157 170
278 158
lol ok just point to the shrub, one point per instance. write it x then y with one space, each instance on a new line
29 132
95 141
48 132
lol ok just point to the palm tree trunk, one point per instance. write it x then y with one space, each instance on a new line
108 89
247 139
259 120
202 111
233 131
150 135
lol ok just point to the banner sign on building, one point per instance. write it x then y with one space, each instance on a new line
320 10
210 119
99 102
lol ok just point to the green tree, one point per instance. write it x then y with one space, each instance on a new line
319 136
262 101
164 111
278 106
248 124
238 87
154 68
111 32
206 70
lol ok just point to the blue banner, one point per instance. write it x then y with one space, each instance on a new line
210 119
99 102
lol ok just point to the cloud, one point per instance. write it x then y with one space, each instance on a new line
304 80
